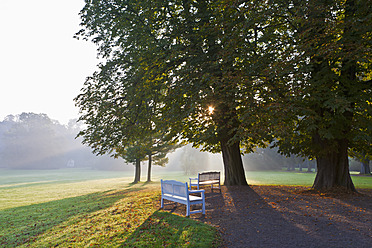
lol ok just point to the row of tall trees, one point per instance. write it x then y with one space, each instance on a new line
122 117
228 75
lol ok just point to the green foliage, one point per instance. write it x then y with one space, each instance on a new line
121 103
161 148
326 95
296 71
189 56
327 91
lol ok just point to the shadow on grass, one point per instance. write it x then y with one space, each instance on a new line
163 229
21 225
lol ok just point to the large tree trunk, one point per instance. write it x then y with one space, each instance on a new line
232 160
226 120
149 169
333 167
137 175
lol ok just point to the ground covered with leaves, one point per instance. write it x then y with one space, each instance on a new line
288 216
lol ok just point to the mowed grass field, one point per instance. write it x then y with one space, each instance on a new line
87 208
82 207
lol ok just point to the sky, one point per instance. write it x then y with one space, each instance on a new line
42 67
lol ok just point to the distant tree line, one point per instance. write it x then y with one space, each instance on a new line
34 141
271 159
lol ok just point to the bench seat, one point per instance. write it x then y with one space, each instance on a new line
182 199
210 182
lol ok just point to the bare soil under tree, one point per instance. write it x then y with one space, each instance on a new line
288 216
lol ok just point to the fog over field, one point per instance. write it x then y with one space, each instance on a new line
34 141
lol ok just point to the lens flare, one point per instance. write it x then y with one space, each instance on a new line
210 109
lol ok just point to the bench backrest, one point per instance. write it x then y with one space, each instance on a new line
174 188
206 176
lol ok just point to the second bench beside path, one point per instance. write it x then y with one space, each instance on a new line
206 178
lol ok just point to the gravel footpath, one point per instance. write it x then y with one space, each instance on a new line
285 216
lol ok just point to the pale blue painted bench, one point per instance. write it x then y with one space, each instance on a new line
207 178
175 191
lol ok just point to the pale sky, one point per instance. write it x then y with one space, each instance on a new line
42 67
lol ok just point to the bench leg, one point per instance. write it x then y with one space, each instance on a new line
187 210
203 204
162 202
219 187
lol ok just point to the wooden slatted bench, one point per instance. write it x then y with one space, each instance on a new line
207 178
175 191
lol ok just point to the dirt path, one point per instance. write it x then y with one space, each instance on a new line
284 216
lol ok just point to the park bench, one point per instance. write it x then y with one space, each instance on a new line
175 191
207 178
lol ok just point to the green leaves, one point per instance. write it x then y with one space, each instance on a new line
285 70
324 65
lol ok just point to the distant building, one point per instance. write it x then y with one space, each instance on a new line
71 163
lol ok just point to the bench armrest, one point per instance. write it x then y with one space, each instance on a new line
197 191
193 178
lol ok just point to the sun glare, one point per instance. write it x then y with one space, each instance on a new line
210 109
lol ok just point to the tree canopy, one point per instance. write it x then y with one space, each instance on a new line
180 52
326 95
230 75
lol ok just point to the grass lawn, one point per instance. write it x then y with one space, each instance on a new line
80 207
297 178
294 178
64 208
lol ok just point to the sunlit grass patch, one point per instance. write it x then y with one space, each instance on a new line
163 229
109 226
115 218
280 178
23 224
33 190
362 181
296 178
